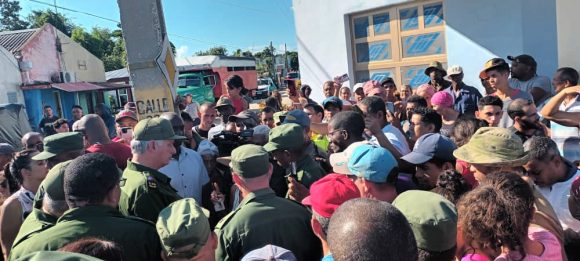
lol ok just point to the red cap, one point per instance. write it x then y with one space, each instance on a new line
328 193
369 86
126 114
575 191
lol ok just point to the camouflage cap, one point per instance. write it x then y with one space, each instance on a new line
155 129
493 146
183 228
279 117
250 161
435 65
59 143
224 101
285 137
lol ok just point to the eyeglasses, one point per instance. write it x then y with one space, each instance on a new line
35 146
330 134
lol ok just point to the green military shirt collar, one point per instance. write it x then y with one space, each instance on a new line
258 195
160 177
89 211
305 163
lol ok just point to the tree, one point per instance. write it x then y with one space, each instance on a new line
218 50
293 60
265 60
105 44
10 19
38 18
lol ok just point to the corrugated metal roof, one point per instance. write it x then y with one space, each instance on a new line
14 40
116 74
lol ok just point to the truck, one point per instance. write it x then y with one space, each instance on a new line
204 76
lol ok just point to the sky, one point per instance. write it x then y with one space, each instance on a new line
195 25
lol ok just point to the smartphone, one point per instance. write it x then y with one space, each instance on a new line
390 107
342 78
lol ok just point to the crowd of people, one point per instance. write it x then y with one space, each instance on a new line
439 172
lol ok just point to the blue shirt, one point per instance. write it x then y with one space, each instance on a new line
466 99
328 258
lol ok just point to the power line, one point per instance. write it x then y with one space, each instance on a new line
118 22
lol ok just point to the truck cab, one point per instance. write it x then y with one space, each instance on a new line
197 84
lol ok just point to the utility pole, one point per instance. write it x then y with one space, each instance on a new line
273 59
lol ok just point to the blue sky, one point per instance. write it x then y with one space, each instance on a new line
235 24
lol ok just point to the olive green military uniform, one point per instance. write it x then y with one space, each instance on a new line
263 218
138 238
146 192
57 255
38 221
308 171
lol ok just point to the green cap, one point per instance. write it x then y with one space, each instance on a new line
59 143
52 185
493 146
155 129
224 101
278 117
433 219
250 161
56 255
183 228
285 137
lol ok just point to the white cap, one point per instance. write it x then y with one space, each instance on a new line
453 70
339 161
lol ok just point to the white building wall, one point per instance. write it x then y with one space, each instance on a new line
568 43
476 31
10 79
77 60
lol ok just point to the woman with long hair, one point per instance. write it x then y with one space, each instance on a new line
29 173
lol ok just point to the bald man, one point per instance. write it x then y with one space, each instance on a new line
186 169
96 138
32 141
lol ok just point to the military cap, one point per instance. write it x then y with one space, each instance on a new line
279 117
285 137
155 129
59 143
433 219
183 228
493 146
250 161
52 185
299 117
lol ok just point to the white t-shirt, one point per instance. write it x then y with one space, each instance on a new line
192 109
558 195
560 132
396 138
506 121
188 174
542 82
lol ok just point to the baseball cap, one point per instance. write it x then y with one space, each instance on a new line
339 160
250 161
270 253
245 115
493 146
435 65
155 129
262 130
59 143
6 148
493 64
357 86
183 224
126 114
453 70
433 219
429 146
372 163
332 100
224 101
442 98
299 117
285 137
329 192
207 147
279 117
525 59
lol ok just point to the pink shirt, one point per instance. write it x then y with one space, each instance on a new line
552 248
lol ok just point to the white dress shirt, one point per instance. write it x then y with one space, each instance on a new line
188 174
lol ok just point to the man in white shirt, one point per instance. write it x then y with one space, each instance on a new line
375 113
186 168
525 78
554 176
192 108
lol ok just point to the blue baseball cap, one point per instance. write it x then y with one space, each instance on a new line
372 163
429 146
332 100
299 117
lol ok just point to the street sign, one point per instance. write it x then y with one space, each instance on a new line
149 57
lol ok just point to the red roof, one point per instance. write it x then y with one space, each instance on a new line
78 86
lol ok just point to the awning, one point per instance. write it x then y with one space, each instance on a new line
86 86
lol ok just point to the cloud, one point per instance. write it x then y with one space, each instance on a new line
181 51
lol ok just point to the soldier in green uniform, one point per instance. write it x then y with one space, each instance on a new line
146 190
49 205
263 218
288 148
184 230
61 147
91 188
